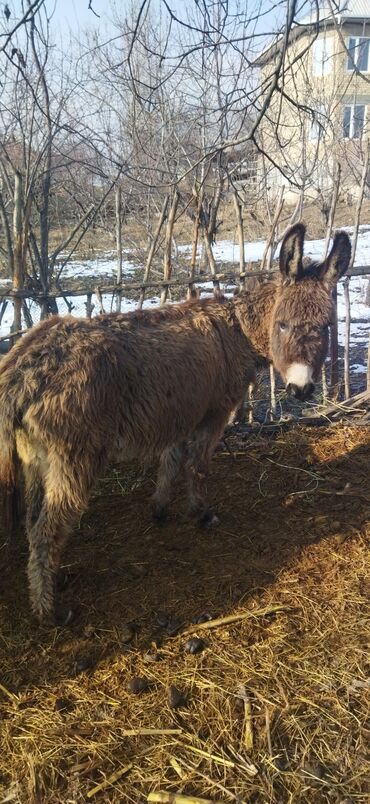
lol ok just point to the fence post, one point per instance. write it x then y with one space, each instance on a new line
167 263
88 304
347 335
118 195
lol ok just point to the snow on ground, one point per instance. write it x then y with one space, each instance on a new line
228 251
106 266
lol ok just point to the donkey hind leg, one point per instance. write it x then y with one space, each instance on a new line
46 539
169 465
200 452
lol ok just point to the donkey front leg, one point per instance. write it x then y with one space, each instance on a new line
200 452
169 465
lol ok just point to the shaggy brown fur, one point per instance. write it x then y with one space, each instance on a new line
78 393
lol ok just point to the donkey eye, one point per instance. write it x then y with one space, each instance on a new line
325 327
283 326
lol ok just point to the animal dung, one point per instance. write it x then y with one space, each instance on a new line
126 633
171 624
136 685
162 619
173 627
176 697
63 705
195 645
203 618
83 664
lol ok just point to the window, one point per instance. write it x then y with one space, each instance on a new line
358 53
322 56
353 122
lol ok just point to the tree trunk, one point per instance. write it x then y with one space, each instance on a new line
18 263
152 249
167 262
118 197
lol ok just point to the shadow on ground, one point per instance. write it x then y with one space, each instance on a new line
277 499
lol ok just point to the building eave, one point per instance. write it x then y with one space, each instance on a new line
299 30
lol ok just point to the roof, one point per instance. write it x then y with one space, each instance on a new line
345 10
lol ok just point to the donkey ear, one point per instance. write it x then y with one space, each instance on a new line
338 260
291 252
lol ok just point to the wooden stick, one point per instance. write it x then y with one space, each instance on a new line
268 731
251 389
333 207
267 256
167 261
225 276
89 305
11 695
347 338
272 392
99 297
110 780
324 383
118 199
247 739
334 373
220 760
211 258
152 249
239 221
148 732
175 764
162 797
234 618
199 200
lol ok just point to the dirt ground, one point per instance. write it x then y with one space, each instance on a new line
274 707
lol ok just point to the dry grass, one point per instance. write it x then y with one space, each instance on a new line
277 702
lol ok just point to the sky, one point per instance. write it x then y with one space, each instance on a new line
75 13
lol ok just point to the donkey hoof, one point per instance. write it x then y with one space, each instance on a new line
64 617
209 519
46 619
159 514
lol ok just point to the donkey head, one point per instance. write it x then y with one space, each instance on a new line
303 310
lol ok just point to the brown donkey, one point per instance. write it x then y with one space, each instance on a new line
77 393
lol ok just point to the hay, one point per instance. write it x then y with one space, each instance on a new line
276 705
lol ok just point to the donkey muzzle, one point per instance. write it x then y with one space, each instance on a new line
300 392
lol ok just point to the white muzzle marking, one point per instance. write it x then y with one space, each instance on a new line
299 374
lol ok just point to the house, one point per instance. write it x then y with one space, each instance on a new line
320 113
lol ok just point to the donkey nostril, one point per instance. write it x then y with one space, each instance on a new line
292 389
308 390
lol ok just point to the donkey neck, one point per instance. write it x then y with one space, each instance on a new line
254 313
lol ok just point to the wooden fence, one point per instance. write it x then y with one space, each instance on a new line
137 292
